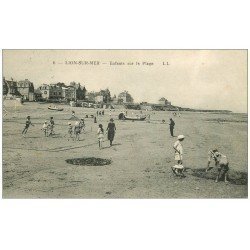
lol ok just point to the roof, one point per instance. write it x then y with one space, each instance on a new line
38 91
26 81
9 81
163 99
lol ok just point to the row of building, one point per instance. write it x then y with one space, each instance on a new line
62 92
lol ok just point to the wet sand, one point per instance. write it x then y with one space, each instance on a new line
142 155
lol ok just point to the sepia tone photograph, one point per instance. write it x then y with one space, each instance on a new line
133 124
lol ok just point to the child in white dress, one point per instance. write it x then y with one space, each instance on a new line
100 133
46 129
178 168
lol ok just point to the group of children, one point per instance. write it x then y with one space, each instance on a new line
77 129
221 161
110 130
48 127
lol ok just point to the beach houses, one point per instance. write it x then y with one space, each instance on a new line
26 90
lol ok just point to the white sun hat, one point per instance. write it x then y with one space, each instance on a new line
180 137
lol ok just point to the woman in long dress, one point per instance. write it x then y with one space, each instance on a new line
111 131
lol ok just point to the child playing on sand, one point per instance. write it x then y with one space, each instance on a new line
70 130
82 125
51 126
221 162
46 128
178 169
100 133
77 131
27 124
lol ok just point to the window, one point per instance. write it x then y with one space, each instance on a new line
54 93
59 93
45 92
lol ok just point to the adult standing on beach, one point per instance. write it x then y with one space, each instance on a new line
111 131
171 126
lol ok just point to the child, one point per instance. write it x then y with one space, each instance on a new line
70 130
51 126
82 125
77 131
45 128
178 169
221 162
100 133
27 124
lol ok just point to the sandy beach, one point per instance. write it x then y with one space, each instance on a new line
142 155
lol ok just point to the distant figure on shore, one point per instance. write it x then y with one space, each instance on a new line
126 112
100 133
95 121
171 126
77 131
46 128
27 124
103 112
51 126
221 163
73 113
97 112
100 113
178 169
111 131
70 130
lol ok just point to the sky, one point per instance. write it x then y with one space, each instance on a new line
205 79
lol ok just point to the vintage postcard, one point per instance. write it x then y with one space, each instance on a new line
124 124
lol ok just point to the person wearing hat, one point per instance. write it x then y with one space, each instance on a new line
221 162
45 128
178 168
111 131
27 124
171 127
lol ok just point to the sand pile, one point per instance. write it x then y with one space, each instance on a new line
235 177
89 161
